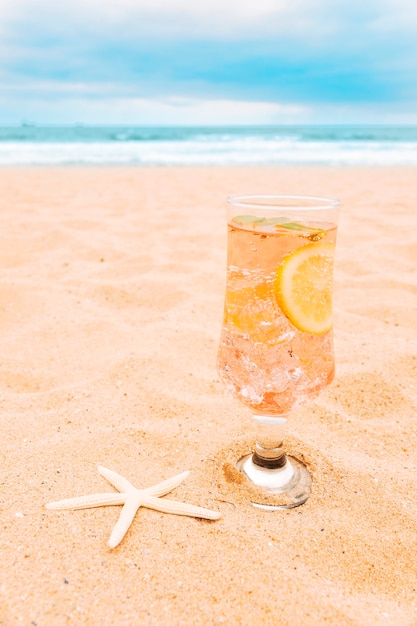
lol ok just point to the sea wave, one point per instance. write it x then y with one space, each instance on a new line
183 146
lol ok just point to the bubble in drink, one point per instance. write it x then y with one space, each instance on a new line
276 347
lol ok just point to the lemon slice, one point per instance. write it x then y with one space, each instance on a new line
303 287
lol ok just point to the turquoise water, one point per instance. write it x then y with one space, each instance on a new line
274 145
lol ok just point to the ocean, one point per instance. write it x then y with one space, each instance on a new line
145 146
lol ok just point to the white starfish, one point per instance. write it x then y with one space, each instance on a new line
133 498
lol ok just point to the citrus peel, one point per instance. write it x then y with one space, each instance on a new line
303 287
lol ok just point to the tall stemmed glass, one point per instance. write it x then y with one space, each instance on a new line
276 345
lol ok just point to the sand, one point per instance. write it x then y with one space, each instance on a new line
112 284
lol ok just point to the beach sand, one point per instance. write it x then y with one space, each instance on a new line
112 285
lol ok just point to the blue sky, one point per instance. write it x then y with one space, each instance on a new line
220 62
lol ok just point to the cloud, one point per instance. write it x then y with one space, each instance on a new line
261 51
218 18
103 103
161 17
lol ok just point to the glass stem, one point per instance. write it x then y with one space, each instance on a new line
269 451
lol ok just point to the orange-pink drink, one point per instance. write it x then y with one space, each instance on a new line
276 347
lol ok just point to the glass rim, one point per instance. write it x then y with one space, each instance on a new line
274 202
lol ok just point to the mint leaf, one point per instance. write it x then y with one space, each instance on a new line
298 226
248 219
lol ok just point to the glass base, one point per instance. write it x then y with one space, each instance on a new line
288 486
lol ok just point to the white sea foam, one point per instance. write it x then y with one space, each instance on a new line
220 149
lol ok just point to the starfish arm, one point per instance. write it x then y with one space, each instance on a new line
119 482
167 485
87 502
128 512
178 508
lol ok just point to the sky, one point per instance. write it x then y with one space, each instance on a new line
175 62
